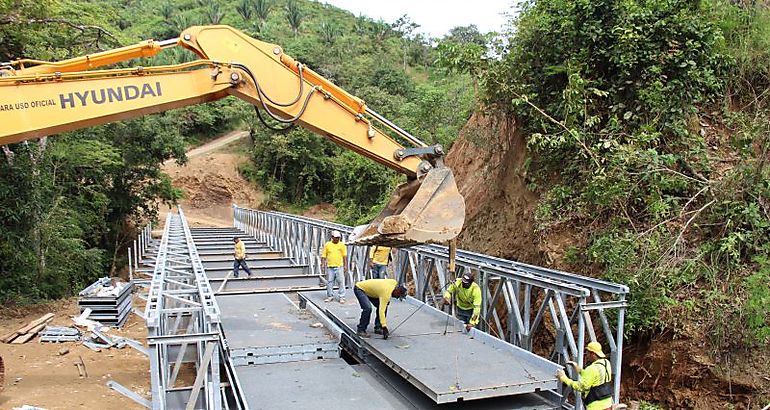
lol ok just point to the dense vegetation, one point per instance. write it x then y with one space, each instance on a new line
648 126
387 65
68 205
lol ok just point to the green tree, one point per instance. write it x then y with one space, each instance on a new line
245 9
262 9
329 32
214 13
406 28
294 16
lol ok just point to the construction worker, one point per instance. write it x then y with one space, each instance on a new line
376 292
595 381
379 256
467 300
240 258
334 262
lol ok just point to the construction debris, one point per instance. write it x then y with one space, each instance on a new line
122 342
81 365
108 301
83 320
26 333
96 347
58 334
63 351
96 334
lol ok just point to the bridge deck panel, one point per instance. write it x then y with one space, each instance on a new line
446 367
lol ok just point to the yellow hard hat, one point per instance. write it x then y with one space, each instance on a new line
596 348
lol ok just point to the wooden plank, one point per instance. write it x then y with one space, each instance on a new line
29 335
29 331
43 319
10 336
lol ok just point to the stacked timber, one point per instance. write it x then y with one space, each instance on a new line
109 301
26 333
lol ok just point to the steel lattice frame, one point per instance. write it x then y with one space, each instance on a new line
183 326
517 298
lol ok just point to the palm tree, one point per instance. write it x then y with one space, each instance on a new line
215 13
262 9
329 32
166 10
294 16
181 22
361 24
246 9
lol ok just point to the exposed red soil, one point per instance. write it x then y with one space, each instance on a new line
324 211
211 182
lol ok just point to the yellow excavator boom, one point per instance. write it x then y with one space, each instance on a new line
39 99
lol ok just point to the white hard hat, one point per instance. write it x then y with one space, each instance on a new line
336 234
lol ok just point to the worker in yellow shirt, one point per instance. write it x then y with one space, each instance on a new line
595 381
376 292
239 252
379 256
467 299
335 262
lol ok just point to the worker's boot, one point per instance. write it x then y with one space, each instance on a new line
363 333
378 331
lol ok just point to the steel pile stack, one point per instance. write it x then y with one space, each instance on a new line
110 301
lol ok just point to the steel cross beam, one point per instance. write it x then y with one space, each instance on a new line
520 301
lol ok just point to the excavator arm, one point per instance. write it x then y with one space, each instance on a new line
40 98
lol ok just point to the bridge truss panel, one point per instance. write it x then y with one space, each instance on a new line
183 325
521 302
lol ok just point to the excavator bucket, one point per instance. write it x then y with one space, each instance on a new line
426 210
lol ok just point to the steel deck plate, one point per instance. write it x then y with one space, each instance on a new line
251 256
253 263
278 283
260 272
446 367
330 384
267 320
410 397
218 253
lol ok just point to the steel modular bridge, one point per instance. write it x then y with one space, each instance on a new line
269 341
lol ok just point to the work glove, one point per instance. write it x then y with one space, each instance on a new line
468 327
560 374
385 332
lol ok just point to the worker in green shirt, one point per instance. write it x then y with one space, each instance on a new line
467 300
376 292
595 381
379 256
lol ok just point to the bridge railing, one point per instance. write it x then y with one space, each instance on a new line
521 303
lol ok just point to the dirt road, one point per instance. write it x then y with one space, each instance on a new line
217 144
211 181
